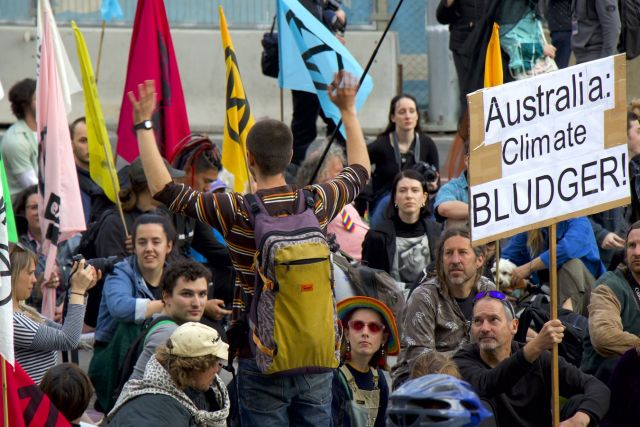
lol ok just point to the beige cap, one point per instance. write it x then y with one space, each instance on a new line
193 339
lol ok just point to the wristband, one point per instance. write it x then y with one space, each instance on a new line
78 293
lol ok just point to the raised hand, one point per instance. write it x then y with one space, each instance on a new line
145 105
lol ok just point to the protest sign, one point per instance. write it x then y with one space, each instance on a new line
548 148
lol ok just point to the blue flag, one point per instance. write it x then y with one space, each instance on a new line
110 9
310 55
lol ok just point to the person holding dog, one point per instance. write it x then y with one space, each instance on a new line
578 261
439 309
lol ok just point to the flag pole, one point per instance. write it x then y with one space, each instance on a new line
5 391
117 196
103 26
364 74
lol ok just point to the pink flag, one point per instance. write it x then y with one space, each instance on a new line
151 57
61 214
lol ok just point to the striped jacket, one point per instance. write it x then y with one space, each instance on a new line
227 213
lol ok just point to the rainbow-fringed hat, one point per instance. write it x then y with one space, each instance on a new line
348 305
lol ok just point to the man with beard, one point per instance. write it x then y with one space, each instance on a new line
515 379
439 310
614 312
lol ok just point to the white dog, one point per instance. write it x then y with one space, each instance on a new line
504 281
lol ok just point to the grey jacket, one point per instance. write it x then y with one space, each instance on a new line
433 321
598 29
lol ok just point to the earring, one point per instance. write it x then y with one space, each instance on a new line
395 205
347 353
422 206
381 360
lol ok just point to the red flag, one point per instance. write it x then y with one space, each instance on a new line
151 57
61 213
28 405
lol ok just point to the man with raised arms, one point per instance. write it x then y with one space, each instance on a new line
300 399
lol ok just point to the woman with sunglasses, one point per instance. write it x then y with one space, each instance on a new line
37 340
404 244
360 391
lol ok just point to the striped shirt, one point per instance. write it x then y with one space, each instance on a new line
37 344
227 213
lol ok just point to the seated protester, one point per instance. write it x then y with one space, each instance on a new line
131 294
184 293
404 244
360 390
609 226
578 261
439 308
70 391
515 378
37 340
625 392
434 363
452 200
614 313
180 386
399 147
348 226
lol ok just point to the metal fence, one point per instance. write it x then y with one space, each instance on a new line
251 14
181 13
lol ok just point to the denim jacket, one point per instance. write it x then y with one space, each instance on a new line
124 298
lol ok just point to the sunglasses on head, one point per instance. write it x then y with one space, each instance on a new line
496 295
358 325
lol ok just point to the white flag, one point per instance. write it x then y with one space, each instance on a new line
68 81
6 304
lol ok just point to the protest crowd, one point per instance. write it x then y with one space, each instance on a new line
268 280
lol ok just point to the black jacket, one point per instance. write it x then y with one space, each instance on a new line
379 245
520 392
462 17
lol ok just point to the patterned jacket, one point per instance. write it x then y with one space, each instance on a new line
433 321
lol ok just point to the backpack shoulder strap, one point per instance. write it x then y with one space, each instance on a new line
347 380
155 325
254 206
306 200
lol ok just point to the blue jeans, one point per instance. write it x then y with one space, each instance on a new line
282 400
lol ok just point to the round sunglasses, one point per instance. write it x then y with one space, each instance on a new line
358 325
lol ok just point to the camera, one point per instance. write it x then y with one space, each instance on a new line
427 170
103 264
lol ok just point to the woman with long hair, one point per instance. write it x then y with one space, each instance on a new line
399 147
37 340
360 390
404 244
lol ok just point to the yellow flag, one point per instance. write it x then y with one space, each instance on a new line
101 166
238 120
493 60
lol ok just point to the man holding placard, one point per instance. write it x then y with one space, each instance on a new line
514 378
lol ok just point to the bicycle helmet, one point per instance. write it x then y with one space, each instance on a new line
436 400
